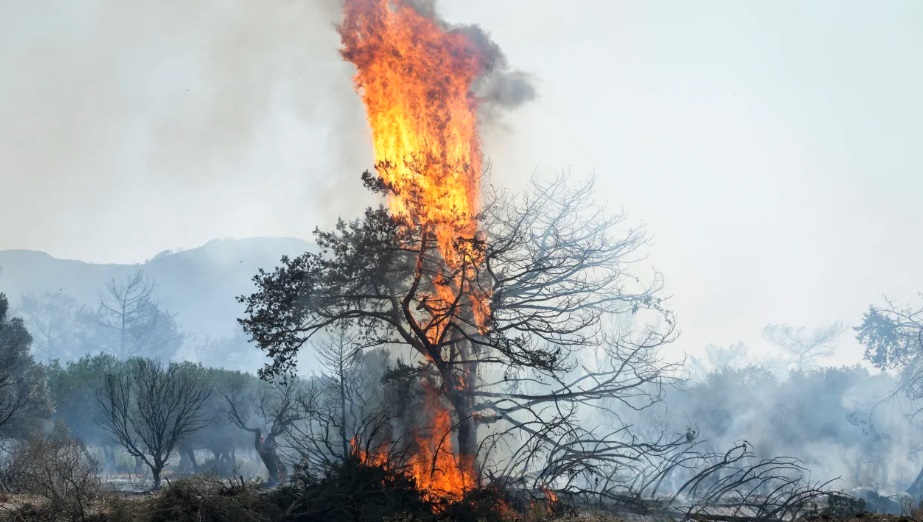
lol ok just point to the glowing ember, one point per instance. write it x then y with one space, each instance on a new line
551 499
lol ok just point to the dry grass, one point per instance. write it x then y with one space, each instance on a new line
167 505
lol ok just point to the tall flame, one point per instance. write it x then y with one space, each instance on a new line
415 77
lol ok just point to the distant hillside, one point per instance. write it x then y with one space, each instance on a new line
199 285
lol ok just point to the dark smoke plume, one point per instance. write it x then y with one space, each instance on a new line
500 87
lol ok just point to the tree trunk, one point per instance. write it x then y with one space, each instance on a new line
460 395
155 471
468 445
343 439
187 458
267 452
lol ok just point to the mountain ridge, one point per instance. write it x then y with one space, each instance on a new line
200 285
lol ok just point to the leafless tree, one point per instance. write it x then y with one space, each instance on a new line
504 325
801 346
133 324
346 405
148 408
343 380
268 413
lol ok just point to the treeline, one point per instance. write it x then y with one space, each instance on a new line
66 426
125 321
841 422
145 414
209 418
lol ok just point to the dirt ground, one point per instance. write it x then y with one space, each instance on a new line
10 503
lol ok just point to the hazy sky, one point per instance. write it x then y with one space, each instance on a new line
772 148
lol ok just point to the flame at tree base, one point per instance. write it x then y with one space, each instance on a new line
416 76
433 464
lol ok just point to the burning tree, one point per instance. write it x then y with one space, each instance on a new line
506 307
501 332
483 296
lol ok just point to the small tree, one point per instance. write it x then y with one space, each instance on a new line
132 324
23 394
268 413
801 347
343 381
351 398
148 408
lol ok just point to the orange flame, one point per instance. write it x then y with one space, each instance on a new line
415 77
434 466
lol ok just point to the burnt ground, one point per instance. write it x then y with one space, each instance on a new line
869 517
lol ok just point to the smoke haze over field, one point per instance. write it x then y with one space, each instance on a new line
129 129
770 148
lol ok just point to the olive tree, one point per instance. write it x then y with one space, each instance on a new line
148 408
